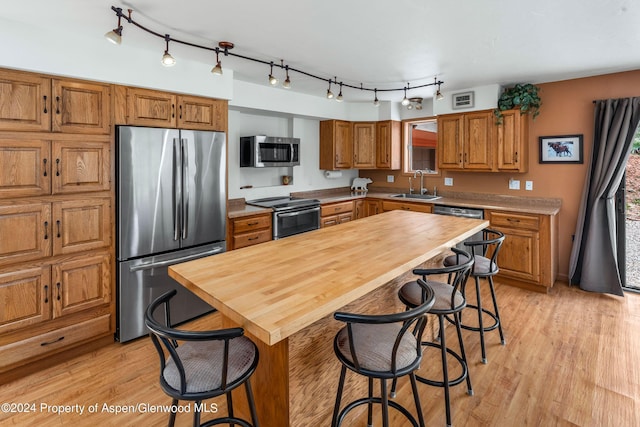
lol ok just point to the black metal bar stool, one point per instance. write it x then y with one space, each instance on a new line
485 254
448 300
383 347
206 364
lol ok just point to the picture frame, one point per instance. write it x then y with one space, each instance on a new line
462 100
561 149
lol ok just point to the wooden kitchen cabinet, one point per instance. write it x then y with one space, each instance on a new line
145 107
25 167
250 230
56 243
512 148
336 145
388 145
30 102
529 250
364 145
336 213
35 167
372 206
466 141
388 205
359 209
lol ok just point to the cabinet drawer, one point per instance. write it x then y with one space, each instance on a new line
248 239
336 208
54 340
243 225
415 207
524 221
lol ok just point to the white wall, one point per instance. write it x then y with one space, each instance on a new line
485 98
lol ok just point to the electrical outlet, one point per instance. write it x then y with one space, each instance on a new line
448 182
514 184
528 185
390 178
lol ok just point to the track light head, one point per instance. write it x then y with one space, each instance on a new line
339 97
217 70
115 35
405 100
167 59
329 93
376 103
272 80
287 82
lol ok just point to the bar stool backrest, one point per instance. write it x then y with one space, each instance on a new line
488 247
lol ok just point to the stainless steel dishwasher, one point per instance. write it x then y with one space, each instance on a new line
463 212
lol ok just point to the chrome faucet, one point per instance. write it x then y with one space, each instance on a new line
422 189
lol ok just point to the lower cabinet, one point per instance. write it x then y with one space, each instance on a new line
372 207
407 206
47 308
336 213
529 250
250 230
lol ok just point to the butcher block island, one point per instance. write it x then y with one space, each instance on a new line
284 293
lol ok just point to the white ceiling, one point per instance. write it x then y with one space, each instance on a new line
383 44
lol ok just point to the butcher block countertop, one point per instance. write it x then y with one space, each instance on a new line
277 288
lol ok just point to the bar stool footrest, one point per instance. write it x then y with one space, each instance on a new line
496 321
378 400
227 420
455 381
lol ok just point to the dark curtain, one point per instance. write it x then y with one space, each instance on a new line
594 258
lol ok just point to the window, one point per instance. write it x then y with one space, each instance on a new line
420 141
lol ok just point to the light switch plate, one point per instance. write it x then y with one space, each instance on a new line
514 184
390 178
528 185
448 182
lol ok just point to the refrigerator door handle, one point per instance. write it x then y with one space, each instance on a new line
185 188
150 265
176 193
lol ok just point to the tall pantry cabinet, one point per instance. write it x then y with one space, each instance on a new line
56 210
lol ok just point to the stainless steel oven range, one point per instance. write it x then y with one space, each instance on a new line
291 215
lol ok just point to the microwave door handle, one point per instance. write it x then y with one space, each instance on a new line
185 188
291 153
175 191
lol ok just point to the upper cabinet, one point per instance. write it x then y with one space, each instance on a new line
364 145
512 152
336 145
29 102
388 145
474 142
145 107
360 145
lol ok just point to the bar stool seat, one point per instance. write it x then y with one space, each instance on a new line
199 365
381 347
485 254
448 301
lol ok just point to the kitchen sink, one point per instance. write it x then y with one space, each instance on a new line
416 196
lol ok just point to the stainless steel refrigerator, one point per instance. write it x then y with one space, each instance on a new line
171 208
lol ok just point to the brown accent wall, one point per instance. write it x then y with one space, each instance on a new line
567 109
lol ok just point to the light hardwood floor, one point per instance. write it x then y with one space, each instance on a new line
572 359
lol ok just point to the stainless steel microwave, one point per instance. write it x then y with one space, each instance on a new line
268 151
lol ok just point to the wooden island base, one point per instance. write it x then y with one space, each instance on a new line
296 380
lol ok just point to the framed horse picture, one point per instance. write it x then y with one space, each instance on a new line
561 149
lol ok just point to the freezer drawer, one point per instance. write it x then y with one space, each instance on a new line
142 280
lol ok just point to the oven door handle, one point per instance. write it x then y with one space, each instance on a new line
298 212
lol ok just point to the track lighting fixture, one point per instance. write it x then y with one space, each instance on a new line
405 100
439 95
272 80
415 103
287 83
167 59
329 93
115 36
217 70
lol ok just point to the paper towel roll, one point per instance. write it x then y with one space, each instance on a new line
332 174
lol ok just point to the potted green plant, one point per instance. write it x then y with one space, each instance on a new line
522 96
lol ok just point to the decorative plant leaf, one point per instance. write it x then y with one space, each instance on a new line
524 96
